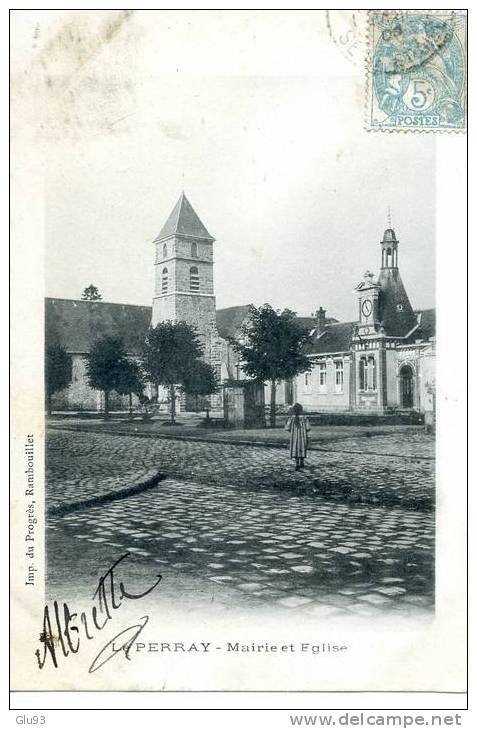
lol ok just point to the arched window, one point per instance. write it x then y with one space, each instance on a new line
193 250
406 377
164 250
165 280
194 279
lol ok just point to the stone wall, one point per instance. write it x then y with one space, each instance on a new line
79 395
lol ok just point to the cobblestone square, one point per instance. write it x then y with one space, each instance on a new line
240 519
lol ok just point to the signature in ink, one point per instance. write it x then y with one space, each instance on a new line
112 647
64 631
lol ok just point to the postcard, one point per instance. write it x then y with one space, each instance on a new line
238 442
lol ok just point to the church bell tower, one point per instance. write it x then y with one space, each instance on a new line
184 280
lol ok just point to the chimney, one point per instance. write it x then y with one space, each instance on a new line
320 315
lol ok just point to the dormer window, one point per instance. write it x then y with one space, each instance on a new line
193 250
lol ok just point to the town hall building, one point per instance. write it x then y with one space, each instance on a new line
381 362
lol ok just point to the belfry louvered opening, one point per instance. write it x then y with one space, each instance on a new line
194 279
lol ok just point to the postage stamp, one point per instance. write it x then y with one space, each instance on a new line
417 71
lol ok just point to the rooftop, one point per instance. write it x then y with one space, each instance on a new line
183 220
389 236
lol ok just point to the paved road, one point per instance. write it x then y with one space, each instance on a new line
84 465
218 516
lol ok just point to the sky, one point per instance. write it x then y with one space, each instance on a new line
261 124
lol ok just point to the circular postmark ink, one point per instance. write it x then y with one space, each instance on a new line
347 29
418 67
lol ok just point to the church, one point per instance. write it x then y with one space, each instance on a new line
382 362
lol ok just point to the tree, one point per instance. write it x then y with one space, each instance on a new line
104 366
91 293
171 352
200 380
129 380
58 372
271 348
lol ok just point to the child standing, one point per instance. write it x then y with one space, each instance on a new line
298 426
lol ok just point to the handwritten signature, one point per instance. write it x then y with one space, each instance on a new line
64 631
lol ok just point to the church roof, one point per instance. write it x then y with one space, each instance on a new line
183 220
77 324
230 320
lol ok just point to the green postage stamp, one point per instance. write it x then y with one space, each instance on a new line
417 70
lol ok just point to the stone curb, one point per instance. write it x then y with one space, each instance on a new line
107 497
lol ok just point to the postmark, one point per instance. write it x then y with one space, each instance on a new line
416 71
348 31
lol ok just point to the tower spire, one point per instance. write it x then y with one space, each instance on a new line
390 225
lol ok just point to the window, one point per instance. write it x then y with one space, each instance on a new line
367 373
194 279
307 384
371 373
339 375
164 250
322 376
193 250
362 373
165 280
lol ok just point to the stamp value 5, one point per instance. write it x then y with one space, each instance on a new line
417 63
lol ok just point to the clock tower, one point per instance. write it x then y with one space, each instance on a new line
368 302
385 318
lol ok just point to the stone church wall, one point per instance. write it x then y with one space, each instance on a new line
81 397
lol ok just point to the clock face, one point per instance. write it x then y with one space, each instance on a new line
367 307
